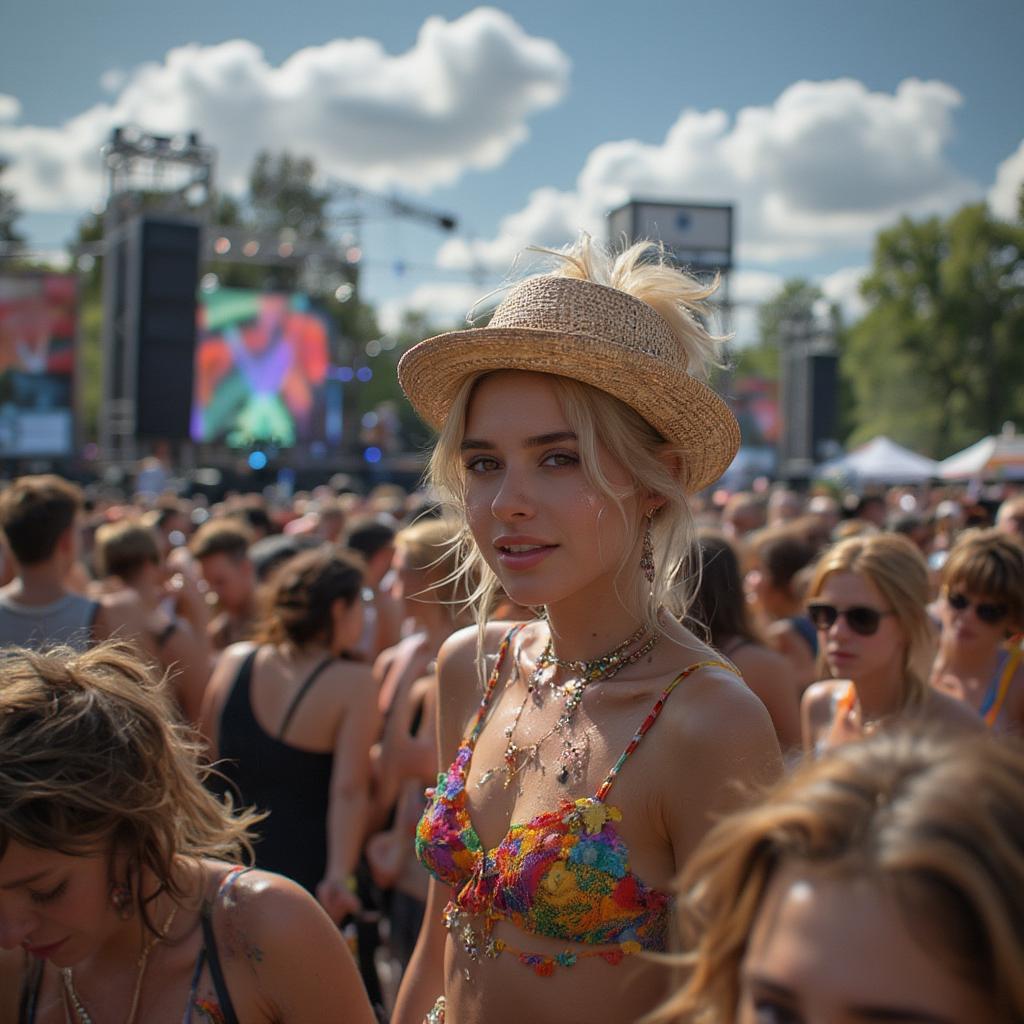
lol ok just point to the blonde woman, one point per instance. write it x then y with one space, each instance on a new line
584 753
883 882
868 601
122 897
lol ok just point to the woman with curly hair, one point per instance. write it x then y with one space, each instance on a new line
122 895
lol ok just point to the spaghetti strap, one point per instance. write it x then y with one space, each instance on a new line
651 718
302 691
996 696
209 957
469 740
31 983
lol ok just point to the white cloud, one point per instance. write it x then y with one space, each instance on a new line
10 108
1004 196
444 304
112 80
459 98
843 288
825 166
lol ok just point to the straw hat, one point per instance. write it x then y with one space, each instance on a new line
594 334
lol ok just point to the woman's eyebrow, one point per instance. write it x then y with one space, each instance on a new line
896 1015
537 441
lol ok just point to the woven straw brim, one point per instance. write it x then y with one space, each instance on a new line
687 413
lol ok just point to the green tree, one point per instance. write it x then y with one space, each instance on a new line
9 213
793 304
283 196
936 363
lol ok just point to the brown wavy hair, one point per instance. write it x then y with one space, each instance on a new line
93 757
938 822
298 598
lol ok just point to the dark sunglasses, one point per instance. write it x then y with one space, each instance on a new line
860 619
985 610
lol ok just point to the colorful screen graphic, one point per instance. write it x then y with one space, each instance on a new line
755 401
261 369
37 363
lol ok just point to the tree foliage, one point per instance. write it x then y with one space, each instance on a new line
937 361
9 212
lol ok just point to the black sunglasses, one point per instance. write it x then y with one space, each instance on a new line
859 618
986 611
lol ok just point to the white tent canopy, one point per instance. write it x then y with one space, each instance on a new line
882 461
996 455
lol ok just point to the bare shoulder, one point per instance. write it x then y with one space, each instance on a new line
756 658
460 686
822 692
719 718
282 954
950 713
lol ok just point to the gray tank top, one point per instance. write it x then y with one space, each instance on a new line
68 620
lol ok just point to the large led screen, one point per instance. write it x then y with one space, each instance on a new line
261 369
37 363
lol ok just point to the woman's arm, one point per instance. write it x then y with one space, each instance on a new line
423 980
349 805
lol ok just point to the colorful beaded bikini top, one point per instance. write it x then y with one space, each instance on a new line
563 874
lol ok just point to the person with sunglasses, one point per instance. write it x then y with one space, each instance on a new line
981 610
868 601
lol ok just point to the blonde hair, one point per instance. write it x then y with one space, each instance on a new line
897 568
429 547
93 756
937 822
600 419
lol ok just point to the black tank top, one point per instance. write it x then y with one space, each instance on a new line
292 784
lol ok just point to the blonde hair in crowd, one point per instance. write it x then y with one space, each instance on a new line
897 568
93 758
938 823
598 418
429 548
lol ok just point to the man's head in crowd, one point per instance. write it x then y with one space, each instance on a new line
128 550
221 547
38 517
374 539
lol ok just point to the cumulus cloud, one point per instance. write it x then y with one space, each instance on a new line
459 98
1004 196
444 304
824 166
843 288
10 108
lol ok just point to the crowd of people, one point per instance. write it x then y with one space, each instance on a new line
688 755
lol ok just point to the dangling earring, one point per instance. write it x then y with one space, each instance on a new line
121 900
647 553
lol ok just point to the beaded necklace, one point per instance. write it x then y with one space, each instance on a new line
573 753
82 1015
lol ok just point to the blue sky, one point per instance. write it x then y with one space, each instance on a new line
822 121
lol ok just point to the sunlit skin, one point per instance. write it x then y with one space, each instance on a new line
526 487
839 950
